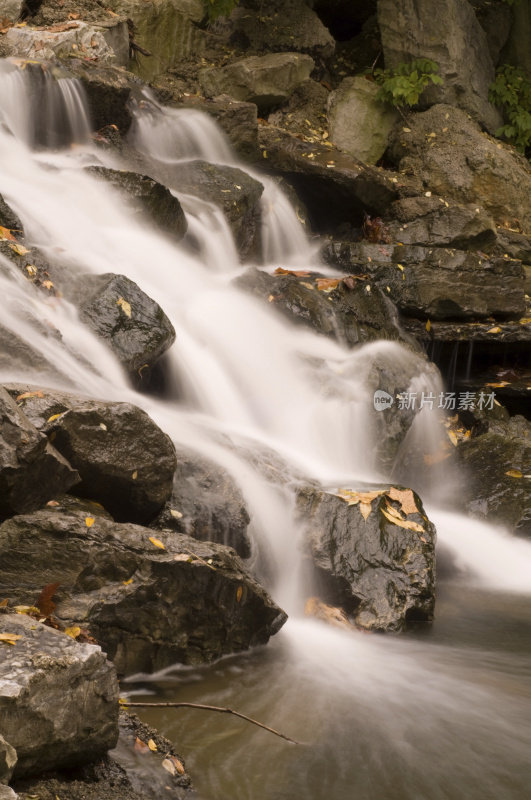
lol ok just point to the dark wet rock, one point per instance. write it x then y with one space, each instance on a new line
8 760
447 32
344 18
8 218
353 311
497 465
131 323
31 470
265 80
432 221
335 187
515 244
150 200
109 90
47 671
380 572
124 460
235 192
6 793
490 332
517 50
462 163
281 25
437 283
359 123
125 772
148 606
304 111
496 19
207 504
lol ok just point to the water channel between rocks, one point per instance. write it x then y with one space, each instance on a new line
438 714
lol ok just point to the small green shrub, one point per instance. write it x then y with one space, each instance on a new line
511 92
403 85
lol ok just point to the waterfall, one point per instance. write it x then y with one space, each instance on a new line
250 381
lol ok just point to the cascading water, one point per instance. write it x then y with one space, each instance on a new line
436 716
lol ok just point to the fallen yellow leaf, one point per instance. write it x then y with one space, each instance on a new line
152 746
406 499
125 306
428 326
157 542
89 521
514 473
393 516
497 329
239 593
327 284
54 416
365 510
127 582
73 632
19 249
10 638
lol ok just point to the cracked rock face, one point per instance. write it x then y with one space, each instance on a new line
58 698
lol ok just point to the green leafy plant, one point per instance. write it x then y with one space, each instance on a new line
511 92
403 85
219 8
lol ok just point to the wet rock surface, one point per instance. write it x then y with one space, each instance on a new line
133 325
58 698
206 503
31 470
8 759
124 460
437 283
379 571
149 601
130 770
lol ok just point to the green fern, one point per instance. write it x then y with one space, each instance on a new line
511 92
404 85
220 8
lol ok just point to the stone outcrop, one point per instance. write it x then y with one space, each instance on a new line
58 698
447 32
371 551
124 460
452 157
206 503
150 201
360 124
149 600
133 325
264 80
8 760
31 470
437 283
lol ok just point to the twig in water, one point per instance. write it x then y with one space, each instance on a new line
210 708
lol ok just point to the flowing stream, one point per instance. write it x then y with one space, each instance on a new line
441 713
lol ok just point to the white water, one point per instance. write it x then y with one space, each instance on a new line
247 376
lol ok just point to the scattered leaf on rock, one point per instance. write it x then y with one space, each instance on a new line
152 746
394 516
125 306
514 473
157 542
406 499
19 249
127 582
176 514
5 234
497 329
26 395
89 521
10 638
45 604
73 632
327 284
140 746
299 273
239 593
365 510
54 416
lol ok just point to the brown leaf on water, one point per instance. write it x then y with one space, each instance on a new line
140 746
10 638
45 604
406 499
177 764
6 235
299 273
327 284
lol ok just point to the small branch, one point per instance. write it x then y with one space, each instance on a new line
136 47
210 708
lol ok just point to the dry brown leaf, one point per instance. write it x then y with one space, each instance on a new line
157 543
26 395
365 510
239 593
73 632
89 521
10 638
514 473
169 766
4 602
19 249
178 765
152 746
496 329
45 604
402 523
53 503
6 235
327 284
299 273
54 416
406 499
140 746
125 306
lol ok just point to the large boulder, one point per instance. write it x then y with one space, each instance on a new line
233 190
497 464
167 29
281 25
206 503
335 187
447 32
109 90
517 51
432 221
371 551
131 323
359 123
150 201
351 310
31 470
149 600
58 698
264 80
106 41
124 460
11 10
447 151
437 283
